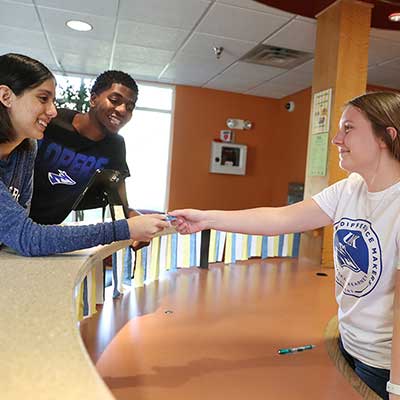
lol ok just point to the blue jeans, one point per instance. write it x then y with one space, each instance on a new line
375 378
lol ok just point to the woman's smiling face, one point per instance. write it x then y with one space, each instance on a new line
31 112
359 148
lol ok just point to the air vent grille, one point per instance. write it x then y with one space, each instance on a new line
276 56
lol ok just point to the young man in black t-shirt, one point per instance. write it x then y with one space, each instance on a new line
76 144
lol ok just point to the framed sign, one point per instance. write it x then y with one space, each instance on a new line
319 141
226 136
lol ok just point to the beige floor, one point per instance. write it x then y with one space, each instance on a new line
215 334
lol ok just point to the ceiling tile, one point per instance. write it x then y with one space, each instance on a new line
293 79
257 6
239 23
42 55
55 20
85 47
393 64
18 37
19 1
19 15
296 35
190 72
243 76
201 45
142 55
385 34
146 35
75 63
381 50
139 71
383 76
104 8
171 13
269 90
306 68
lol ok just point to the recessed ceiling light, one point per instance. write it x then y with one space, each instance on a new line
79 25
394 17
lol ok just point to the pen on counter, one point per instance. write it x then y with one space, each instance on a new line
296 349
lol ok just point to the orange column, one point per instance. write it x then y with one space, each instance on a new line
341 62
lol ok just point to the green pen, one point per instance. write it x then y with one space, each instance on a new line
296 349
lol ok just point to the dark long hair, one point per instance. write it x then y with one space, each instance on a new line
19 73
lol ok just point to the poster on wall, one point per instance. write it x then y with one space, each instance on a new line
318 154
321 115
321 111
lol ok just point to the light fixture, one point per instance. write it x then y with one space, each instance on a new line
80 26
394 17
233 123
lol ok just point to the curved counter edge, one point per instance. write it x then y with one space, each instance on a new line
331 338
42 355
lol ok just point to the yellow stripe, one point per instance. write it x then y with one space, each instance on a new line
79 303
228 248
258 246
169 252
154 265
213 243
276 246
138 280
290 237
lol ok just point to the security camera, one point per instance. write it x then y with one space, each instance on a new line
289 106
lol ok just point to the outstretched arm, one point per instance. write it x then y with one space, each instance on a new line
298 217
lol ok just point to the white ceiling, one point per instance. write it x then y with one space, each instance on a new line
172 41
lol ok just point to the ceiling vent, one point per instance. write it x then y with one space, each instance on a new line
276 56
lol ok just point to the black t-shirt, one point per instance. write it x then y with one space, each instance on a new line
64 164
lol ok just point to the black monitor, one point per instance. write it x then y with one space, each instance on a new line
102 190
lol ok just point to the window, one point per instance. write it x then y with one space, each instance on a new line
148 138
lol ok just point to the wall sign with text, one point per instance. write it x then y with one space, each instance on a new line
321 115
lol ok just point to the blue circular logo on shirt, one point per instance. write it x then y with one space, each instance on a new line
358 256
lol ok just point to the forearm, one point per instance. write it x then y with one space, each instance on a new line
269 220
31 239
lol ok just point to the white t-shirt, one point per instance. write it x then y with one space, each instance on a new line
366 255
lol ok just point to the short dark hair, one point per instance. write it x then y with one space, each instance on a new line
19 73
105 80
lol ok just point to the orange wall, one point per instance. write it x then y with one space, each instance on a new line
277 148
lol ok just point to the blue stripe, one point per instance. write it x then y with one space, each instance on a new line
192 250
127 278
280 245
296 245
217 240
174 250
264 247
85 298
116 292
144 262
249 240
233 251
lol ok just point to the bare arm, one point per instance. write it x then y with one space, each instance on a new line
298 217
395 370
